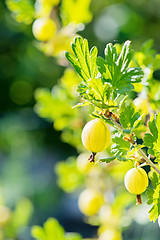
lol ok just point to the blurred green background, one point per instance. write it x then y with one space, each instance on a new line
29 146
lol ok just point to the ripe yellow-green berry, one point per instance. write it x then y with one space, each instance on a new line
44 28
136 180
96 136
90 201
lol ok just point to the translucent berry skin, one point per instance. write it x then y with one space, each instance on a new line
96 136
90 201
44 29
136 180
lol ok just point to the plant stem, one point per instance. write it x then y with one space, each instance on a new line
140 151
117 125
139 200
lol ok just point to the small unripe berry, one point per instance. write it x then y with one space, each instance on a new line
44 28
90 201
136 180
96 136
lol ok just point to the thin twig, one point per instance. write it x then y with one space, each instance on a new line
140 151
117 125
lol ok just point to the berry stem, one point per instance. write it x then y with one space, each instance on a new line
139 200
92 157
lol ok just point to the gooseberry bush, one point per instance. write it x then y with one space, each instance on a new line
115 110
110 119
106 85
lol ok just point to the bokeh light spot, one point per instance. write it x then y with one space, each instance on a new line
21 92
106 28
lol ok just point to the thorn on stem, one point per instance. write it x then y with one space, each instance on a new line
92 157
139 200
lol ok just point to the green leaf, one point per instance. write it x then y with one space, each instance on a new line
82 88
110 54
127 115
152 126
154 212
104 79
23 10
152 140
147 47
21 219
137 123
125 56
110 159
122 103
38 233
156 145
83 61
102 67
123 159
153 196
86 103
95 86
148 140
149 194
154 178
51 230
74 61
69 178
107 160
120 147
115 69
73 236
